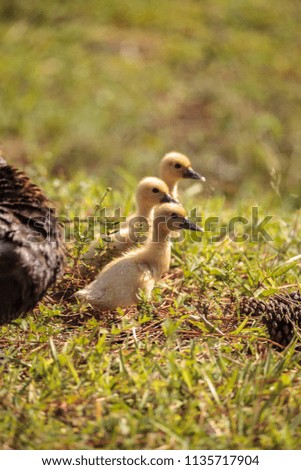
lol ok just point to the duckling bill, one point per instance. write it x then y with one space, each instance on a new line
190 173
120 282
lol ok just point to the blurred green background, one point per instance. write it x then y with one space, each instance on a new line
89 84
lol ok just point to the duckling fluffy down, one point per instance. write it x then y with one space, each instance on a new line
119 284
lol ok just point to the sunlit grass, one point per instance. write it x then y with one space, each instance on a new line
94 93
184 371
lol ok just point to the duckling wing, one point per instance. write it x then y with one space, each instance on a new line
118 285
104 248
131 232
147 280
96 257
121 241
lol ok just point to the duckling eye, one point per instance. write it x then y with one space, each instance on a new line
174 215
155 190
178 165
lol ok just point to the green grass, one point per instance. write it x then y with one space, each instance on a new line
174 374
95 93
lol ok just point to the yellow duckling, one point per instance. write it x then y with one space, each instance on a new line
175 166
150 192
119 283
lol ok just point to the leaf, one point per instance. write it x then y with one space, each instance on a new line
286 266
241 327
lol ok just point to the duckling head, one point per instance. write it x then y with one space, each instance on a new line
170 217
175 166
150 192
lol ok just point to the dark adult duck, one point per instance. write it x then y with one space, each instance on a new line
31 246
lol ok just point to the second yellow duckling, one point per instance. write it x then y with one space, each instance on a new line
119 283
150 192
173 167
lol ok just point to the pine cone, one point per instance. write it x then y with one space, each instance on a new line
252 306
281 314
